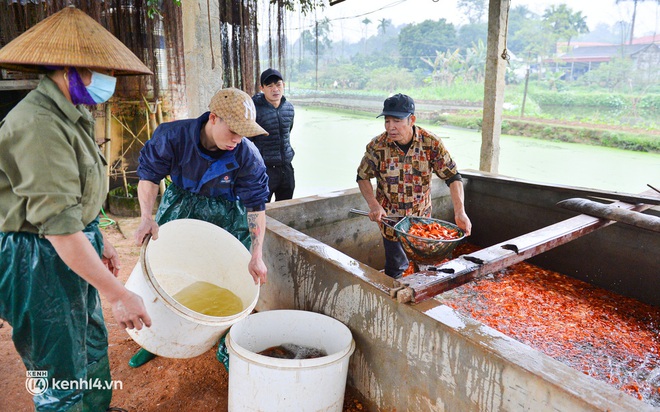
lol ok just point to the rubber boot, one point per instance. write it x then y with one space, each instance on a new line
141 357
97 398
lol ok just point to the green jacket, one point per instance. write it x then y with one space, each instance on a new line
52 173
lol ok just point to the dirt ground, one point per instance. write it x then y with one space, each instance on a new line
198 384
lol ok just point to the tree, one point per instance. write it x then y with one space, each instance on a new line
552 79
311 37
474 10
564 23
532 42
612 75
306 6
366 23
390 78
153 7
603 33
634 16
347 76
475 62
423 40
446 67
470 34
383 25
521 19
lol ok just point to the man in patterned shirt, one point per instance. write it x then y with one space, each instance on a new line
403 160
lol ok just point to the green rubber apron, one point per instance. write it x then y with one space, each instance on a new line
229 215
57 323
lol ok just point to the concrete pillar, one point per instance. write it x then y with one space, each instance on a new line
498 11
202 53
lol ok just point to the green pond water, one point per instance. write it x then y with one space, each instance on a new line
330 144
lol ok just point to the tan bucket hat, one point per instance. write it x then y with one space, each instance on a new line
237 109
73 39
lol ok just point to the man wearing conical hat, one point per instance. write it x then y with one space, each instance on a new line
55 261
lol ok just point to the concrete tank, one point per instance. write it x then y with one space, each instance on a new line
426 356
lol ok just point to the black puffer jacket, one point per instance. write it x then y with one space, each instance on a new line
276 147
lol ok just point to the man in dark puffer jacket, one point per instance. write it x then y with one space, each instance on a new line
275 114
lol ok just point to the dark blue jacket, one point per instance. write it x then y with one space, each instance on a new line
239 174
276 147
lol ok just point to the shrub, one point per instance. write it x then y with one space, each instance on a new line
650 102
391 79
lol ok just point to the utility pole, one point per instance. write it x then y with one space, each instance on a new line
317 53
522 109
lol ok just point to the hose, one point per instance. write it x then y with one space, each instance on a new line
105 221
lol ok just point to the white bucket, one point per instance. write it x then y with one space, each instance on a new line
188 251
262 383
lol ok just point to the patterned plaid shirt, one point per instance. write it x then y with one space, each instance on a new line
404 179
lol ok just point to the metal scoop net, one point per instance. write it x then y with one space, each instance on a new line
422 249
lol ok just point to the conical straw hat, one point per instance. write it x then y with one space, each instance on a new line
70 38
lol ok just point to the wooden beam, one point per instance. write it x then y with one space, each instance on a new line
7 85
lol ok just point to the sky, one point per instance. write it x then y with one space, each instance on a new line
346 16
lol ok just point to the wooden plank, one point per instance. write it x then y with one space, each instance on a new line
429 283
6 85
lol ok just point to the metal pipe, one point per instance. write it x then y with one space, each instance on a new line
610 212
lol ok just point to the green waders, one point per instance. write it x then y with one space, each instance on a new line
181 204
57 322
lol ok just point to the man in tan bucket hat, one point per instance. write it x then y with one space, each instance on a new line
52 187
217 176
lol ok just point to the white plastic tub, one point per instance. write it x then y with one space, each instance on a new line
187 251
264 384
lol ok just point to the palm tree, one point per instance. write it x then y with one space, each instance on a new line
564 23
634 16
383 25
578 26
366 23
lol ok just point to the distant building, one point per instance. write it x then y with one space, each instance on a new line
644 52
647 39
564 47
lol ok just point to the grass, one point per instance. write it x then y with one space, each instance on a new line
640 134
626 140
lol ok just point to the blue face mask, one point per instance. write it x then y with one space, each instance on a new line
102 87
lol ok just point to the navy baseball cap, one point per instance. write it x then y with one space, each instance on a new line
399 106
267 74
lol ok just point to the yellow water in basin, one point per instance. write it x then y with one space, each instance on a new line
209 299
